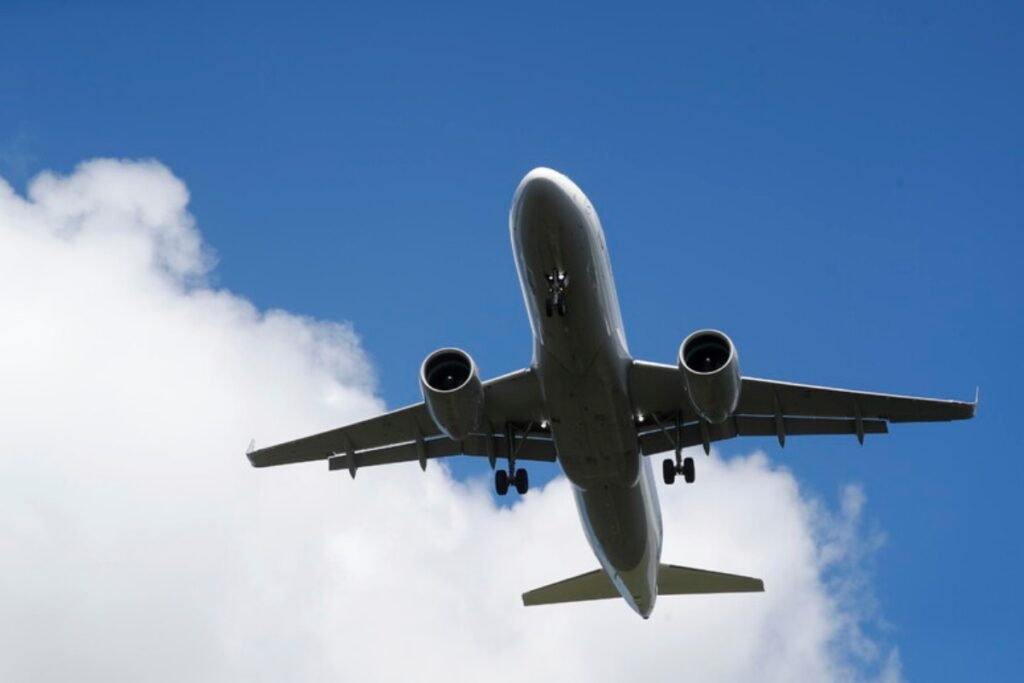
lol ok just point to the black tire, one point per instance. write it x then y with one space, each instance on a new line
522 482
549 307
561 307
689 473
501 482
668 471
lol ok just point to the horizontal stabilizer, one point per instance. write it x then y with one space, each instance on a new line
672 580
593 585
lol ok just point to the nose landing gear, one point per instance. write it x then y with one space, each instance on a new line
558 282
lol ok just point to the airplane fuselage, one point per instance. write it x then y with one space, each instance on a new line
582 360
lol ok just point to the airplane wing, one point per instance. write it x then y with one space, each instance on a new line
409 434
770 408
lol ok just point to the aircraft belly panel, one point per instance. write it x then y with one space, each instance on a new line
591 426
616 522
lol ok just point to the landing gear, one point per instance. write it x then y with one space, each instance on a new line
520 479
558 282
522 482
688 471
669 470
501 482
514 476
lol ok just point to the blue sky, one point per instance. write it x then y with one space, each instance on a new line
838 187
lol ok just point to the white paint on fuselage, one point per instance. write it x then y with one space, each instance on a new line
582 363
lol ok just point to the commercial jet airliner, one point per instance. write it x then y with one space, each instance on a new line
585 403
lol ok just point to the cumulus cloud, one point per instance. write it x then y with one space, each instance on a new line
137 544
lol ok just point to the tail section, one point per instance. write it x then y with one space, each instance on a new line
672 580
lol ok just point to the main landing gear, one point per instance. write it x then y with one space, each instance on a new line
515 476
679 465
670 468
518 478
558 282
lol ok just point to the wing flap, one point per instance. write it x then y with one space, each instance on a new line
536 450
660 440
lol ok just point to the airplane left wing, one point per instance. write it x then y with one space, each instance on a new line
409 434
399 426
770 408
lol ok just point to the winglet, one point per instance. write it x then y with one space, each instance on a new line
251 448
977 398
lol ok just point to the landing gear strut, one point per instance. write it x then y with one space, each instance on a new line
515 476
680 465
558 282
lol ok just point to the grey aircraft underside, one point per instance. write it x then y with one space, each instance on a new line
586 404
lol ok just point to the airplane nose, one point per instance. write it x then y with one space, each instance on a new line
541 180
542 191
540 184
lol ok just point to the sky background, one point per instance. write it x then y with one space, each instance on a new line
836 186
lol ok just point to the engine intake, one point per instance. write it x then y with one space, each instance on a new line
452 391
711 371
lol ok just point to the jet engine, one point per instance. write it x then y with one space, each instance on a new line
711 371
452 391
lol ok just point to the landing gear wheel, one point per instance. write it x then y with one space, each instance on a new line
501 482
522 482
561 307
668 471
549 307
688 472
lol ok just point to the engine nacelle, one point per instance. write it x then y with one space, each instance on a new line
711 371
453 392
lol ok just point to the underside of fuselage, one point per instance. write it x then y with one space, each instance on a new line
581 360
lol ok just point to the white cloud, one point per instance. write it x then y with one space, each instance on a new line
137 544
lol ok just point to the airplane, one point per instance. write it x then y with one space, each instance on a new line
587 404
